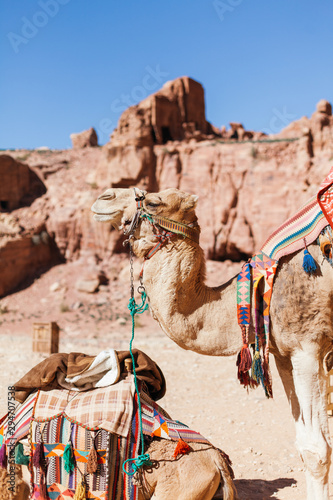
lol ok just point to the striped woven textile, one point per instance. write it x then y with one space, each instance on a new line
189 231
61 485
307 224
109 482
19 427
154 418
109 408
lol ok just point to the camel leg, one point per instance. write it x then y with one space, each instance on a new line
306 388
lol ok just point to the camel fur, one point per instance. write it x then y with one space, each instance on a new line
22 487
204 319
195 476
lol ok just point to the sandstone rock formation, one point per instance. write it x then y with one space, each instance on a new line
247 186
241 176
85 139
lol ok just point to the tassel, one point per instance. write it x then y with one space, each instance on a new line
256 371
42 487
309 264
20 457
244 360
69 462
267 379
92 463
244 378
80 492
39 458
3 456
182 448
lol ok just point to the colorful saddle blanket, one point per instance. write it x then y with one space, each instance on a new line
306 225
49 420
156 422
296 233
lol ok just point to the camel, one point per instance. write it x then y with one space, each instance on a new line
195 476
204 319
202 474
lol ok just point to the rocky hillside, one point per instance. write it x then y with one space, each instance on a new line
248 183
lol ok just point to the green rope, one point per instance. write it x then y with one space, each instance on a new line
144 458
145 215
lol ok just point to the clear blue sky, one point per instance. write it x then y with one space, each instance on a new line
67 65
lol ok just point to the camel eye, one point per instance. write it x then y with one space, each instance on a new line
327 250
153 205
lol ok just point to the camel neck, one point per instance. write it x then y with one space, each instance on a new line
189 311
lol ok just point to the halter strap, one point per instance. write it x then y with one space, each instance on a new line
166 227
139 199
190 231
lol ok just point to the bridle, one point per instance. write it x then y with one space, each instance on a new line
165 228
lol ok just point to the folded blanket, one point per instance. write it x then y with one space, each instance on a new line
57 367
103 371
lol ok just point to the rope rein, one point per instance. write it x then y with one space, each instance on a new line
166 228
134 308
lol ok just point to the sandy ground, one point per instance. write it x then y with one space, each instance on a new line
258 434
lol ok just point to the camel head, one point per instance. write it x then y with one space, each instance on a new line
172 204
115 205
119 207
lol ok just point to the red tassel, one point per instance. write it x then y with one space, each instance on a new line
42 487
3 456
39 458
245 359
182 448
242 363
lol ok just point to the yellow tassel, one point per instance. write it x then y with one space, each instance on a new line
80 492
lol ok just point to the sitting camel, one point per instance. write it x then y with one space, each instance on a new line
204 319
202 474
194 476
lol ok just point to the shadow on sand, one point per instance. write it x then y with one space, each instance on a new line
257 489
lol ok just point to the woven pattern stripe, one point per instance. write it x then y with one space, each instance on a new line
306 224
152 413
289 238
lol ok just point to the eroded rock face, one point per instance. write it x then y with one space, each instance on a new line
19 185
85 139
248 183
23 256
247 186
175 114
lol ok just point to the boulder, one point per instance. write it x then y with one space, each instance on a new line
85 139
91 281
87 285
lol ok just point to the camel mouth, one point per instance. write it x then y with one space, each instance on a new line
103 217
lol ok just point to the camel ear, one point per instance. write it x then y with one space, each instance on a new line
190 202
328 362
